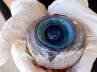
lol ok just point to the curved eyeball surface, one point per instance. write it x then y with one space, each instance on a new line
55 33
55 42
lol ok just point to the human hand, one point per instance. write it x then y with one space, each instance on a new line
24 15
79 10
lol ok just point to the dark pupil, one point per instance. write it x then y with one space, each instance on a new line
54 34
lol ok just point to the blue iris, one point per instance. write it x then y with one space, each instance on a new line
55 32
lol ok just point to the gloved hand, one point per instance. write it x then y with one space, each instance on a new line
79 10
25 12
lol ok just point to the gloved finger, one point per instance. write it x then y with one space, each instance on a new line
88 57
88 19
84 2
22 59
68 7
24 13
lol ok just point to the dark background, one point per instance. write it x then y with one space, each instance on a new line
93 6
6 12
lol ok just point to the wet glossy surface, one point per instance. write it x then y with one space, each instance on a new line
55 33
53 53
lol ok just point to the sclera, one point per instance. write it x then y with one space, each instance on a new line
54 59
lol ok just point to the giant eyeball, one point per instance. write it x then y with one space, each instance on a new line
55 42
